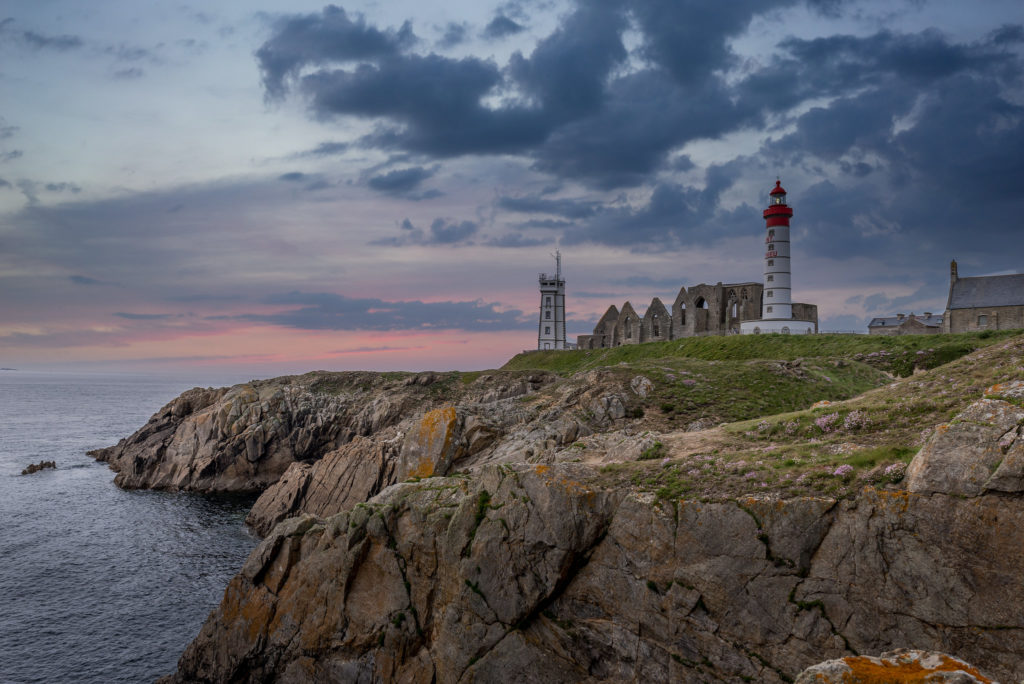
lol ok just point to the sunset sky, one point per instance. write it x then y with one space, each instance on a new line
274 187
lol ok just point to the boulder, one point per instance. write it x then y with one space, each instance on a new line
903 665
980 450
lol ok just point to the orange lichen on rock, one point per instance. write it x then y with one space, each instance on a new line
864 670
436 426
908 666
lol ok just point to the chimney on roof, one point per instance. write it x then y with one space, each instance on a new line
953 277
927 314
900 316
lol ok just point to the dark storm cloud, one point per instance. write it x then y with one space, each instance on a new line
644 116
501 26
567 71
327 311
317 39
39 41
10 155
515 240
569 208
6 130
5 183
673 215
689 38
127 74
62 187
400 180
437 100
325 149
454 34
441 232
898 119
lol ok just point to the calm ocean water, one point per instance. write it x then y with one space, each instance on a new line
98 584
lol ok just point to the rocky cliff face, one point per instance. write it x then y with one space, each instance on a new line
244 438
324 441
538 570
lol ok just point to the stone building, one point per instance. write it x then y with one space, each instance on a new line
696 311
984 303
901 324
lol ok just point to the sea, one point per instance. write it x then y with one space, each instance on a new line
98 584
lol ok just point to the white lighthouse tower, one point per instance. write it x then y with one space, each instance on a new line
551 327
777 299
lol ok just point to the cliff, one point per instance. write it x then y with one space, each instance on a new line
602 526
244 438
541 571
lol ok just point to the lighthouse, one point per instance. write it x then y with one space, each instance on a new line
777 298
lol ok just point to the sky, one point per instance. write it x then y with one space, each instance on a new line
275 187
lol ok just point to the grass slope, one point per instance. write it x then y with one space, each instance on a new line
901 355
833 449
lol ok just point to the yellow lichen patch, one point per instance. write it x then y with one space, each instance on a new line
944 427
424 468
900 498
873 671
994 389
437 424
541 469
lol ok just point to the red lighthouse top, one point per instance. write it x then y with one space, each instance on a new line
777 213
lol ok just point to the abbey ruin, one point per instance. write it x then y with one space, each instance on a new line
698 310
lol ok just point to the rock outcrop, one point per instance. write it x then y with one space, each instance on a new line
541 571
36 467
245 438
980 450
903 665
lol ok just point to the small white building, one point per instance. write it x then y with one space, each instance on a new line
776 298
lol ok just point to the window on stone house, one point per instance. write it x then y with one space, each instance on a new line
771 262
547 330
547 314
982 319
769 309
547 301
770 278
769 294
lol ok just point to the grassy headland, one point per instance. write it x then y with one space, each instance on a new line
817 415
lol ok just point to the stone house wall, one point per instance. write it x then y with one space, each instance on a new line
997 318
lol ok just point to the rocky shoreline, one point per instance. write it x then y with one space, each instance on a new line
430 527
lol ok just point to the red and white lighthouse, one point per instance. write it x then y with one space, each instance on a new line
777 297
778 300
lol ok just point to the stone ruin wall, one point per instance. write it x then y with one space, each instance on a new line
697 311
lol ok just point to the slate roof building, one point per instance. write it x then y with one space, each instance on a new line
901 324
984 303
